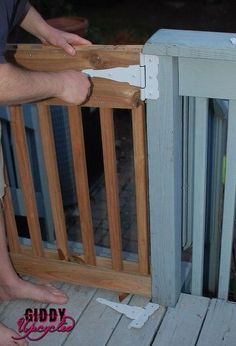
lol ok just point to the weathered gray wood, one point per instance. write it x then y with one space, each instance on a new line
219 136
79 298
3 306
185 171
219 328
181 325
191 166
207 78
138 337
164 133
199 197
229 205
96 324
192 44
188 159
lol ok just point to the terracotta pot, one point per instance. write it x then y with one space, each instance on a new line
76 25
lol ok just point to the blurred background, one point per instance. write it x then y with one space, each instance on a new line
134 21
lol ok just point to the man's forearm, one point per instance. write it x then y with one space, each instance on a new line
21 86
35 24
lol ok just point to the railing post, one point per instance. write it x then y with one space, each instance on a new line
164 135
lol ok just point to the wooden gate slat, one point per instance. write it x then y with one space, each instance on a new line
81 179
26 180
49 152
10 221
112 191
139 144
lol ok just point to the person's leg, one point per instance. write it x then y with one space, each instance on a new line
11 285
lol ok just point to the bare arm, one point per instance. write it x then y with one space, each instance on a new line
36 25
20 86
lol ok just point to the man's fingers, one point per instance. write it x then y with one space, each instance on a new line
68 49
76 39
67 45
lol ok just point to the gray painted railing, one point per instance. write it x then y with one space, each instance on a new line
193 66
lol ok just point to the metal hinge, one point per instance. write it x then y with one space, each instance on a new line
144 75
137 314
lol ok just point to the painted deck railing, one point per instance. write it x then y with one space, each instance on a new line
62 264
194 67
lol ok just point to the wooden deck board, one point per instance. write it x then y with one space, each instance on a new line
220 325
182 324
97 322
79 298
194 321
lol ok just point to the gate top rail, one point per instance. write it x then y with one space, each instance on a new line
106 93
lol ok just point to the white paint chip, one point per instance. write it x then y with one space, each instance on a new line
135 313
233 40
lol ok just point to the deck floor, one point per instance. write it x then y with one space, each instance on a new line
194 321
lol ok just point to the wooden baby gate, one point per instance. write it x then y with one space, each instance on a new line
87 269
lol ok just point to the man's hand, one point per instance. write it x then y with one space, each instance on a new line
19 86
36 25
74 86
63 40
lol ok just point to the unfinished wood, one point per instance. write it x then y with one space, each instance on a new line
138 337
112 190
219 328
229 205
140 169
164 135
50 159
129 266
182 324
110 94
81 179
199 195
82 274
105 93
99 319
48 58
26 180
10 221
